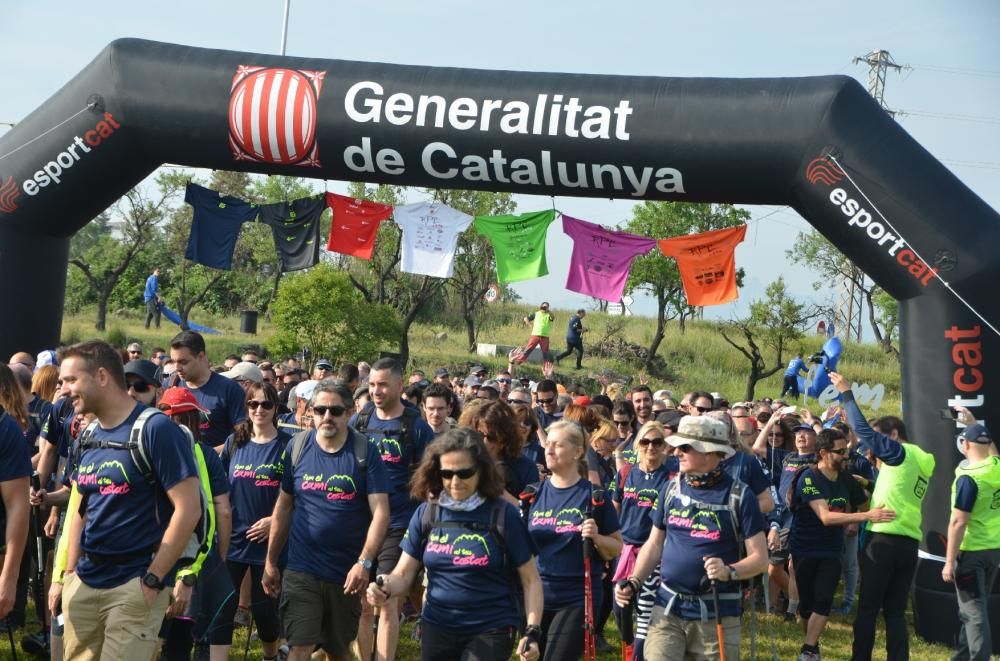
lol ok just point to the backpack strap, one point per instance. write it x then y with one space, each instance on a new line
297 445
138 449
361 424
360 445
430 519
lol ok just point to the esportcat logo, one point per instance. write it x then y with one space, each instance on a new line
822 171
9 192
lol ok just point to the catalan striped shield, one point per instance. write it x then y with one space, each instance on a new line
272 115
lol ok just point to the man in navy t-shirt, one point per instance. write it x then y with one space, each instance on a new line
224 398
574 338
696 536
127 538
400 455
333 518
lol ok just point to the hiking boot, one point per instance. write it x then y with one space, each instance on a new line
36 644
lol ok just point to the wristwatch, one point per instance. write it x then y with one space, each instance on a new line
189 579
733 576
152 581
365 562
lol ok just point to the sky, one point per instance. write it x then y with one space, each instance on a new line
950 90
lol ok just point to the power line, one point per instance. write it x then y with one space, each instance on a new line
954 70
982 119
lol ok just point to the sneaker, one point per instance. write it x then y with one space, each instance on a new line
242 618
36 644
790 617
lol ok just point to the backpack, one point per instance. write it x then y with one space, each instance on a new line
406 423
298 444
430 519
733 504
198 546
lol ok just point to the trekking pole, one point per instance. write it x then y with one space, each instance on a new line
10 637
589 636
246 647
36 513
624 617
379 581
718 622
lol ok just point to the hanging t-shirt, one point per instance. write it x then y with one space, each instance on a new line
430 237
707 263
255 471
471 566
601 258
554 524
355 225
519 243
331 518
295 227
215 226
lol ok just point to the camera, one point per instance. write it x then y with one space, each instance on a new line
817 357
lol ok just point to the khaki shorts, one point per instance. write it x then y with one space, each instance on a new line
114 623
671 638
314 612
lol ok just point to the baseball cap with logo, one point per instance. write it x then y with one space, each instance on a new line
702 433
245 372
178 400
977 433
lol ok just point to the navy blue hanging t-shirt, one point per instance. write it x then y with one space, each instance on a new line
397 456
331 516
554 524
472 580
692 533
126 517
638 497
254 471
226 404
295 227
215 226
809 537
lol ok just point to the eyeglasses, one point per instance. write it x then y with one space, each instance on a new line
267 405
546 402
335 411
655 442
139 386
684 448
461 473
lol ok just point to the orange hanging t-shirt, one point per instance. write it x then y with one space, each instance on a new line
354 225
707 263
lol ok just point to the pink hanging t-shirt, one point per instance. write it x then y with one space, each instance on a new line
602 258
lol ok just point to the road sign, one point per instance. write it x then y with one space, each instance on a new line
616 308
492 294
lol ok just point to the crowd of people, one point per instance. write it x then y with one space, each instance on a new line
178 500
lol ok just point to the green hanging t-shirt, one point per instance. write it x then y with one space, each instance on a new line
519 243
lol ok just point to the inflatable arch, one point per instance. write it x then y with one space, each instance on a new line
820 145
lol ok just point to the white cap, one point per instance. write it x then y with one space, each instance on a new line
304 390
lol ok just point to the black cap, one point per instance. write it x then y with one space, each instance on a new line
441 371
145 370
670 419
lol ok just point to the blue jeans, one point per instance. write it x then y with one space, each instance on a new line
849 567
973 579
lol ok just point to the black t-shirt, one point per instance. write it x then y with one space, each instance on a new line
809 537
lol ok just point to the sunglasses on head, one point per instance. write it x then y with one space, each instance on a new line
655 442
335 411
139 386
265 404
461 473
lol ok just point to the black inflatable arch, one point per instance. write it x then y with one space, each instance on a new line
818 144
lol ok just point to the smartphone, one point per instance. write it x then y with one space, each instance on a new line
788 410
949 414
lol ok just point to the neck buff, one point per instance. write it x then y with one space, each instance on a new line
705 480
467 505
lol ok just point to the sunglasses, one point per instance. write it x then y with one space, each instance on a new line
139 386
623 423
461 473
702 409
503 380
267 405
518 402
335 411
841 451
545 402
684 448
655 442
134 353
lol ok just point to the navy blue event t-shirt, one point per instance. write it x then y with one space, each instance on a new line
518 474
331 517
472 580
215 226
125 515
254 471
694 532
226 404
809 537
792 462
638 496
554 524
15 459
746 468
386 436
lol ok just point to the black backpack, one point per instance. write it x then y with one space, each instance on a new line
298 444
407 421
430 519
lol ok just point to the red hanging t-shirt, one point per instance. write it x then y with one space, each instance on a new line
355 224
707 263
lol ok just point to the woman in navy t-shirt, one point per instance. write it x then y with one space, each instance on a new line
561 516
498 425
254 460
481 574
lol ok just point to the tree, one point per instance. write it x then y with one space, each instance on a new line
475 261
773 323
106 259
813 251
322 313
658 275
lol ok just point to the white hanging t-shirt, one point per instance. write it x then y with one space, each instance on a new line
430 237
